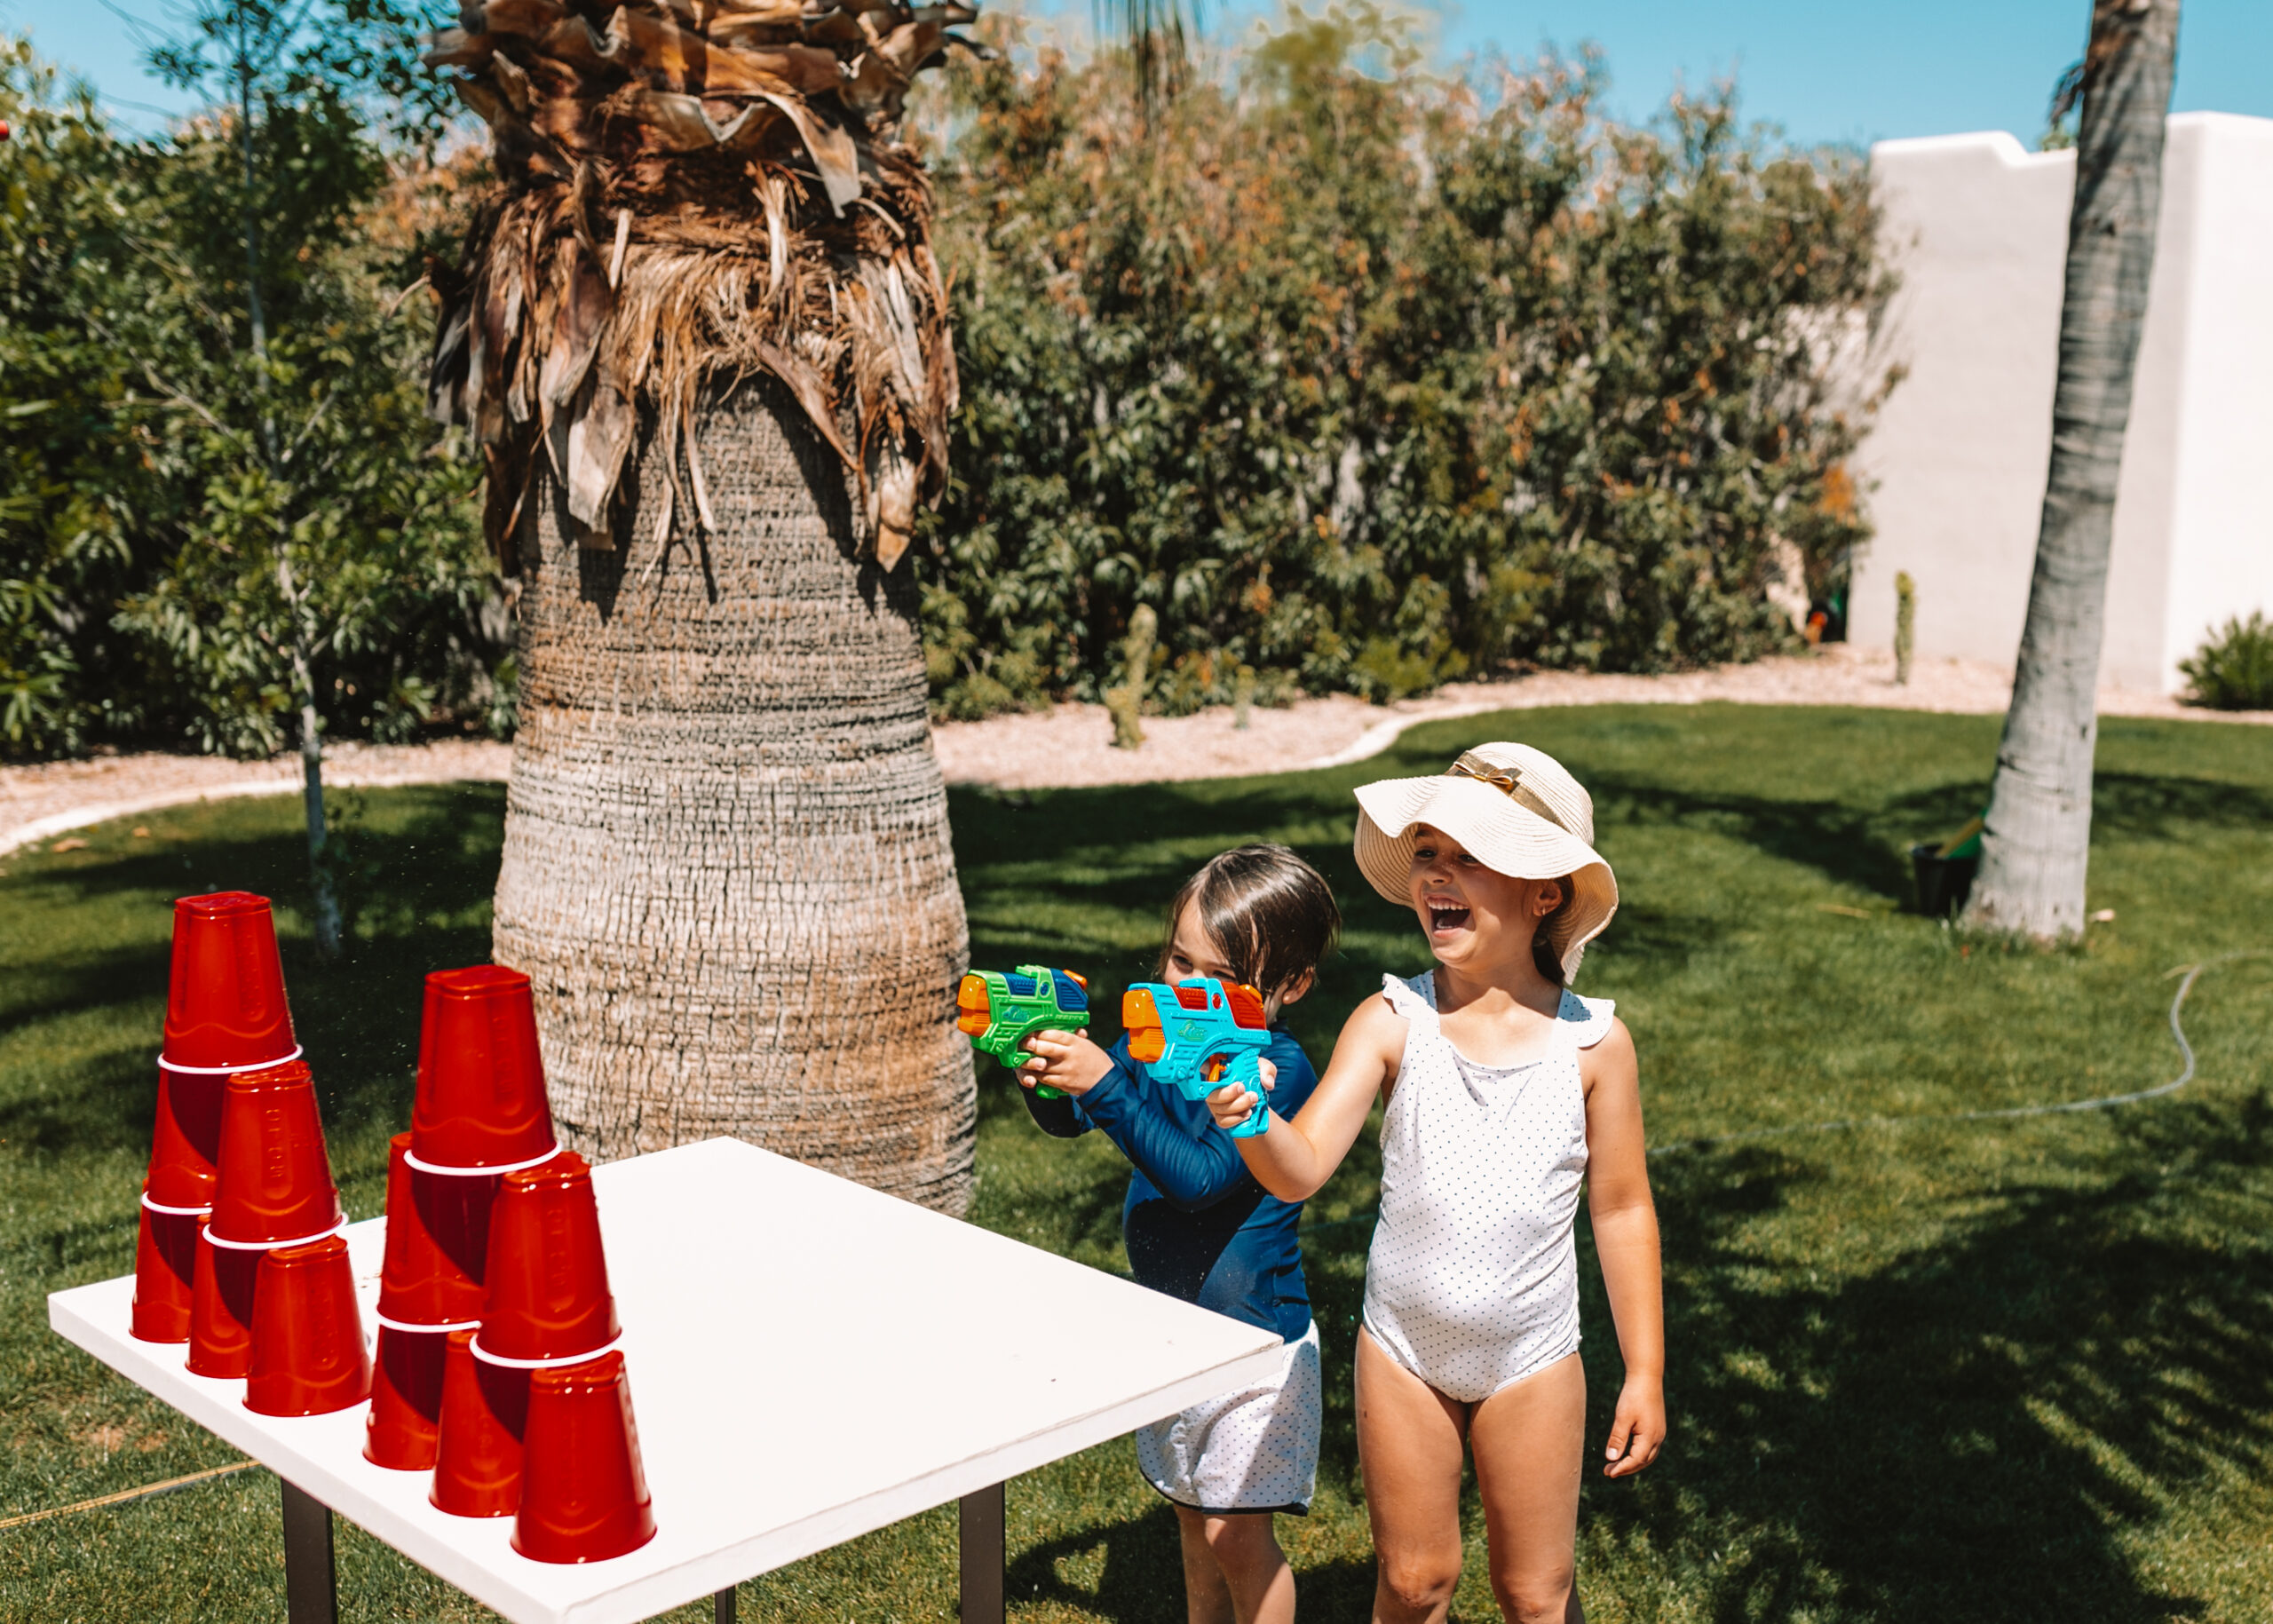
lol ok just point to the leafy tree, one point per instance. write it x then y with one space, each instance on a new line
1364 381
226 518
73 482
304 531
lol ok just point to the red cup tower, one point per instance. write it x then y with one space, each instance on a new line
225 1012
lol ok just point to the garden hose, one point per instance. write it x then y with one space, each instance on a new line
2188 974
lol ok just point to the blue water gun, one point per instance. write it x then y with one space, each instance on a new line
1200 1035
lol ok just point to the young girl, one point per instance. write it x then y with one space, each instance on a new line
1504 1093
1198 1226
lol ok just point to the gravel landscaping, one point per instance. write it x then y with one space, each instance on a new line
1068 746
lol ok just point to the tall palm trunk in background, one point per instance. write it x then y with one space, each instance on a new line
702 340
2035 847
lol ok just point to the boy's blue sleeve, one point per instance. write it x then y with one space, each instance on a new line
1173 1141
1062 1118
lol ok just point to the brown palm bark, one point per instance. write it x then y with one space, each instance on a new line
726 863
2036 845
701 336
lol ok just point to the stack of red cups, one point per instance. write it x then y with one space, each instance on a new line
226 1013
480 1114
273 1300
531 1415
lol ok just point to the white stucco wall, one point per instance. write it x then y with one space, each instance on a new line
1976 228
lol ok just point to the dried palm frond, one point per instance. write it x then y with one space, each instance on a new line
692 188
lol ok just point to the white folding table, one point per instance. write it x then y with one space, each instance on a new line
808 1361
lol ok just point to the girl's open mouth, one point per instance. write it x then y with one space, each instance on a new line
1446 917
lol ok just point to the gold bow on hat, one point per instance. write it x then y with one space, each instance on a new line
1509 782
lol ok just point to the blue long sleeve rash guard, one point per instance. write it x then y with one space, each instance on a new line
1196 1224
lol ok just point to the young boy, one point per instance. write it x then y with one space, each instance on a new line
1198 1227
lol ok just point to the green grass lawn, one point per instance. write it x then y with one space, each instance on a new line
2008 1371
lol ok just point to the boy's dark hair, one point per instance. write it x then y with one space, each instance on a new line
1270 913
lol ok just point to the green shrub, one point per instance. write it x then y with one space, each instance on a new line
1367 380
153 472
2234 669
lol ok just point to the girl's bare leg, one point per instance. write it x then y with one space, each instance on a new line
1529 1441
1254 1570
1207 1599
1409 1437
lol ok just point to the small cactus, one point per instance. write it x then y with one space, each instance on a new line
1906 625
1127 702
1243 697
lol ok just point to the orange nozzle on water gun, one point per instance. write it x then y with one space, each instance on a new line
973 1014
998 1010
1148 1041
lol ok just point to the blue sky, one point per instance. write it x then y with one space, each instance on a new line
1827 70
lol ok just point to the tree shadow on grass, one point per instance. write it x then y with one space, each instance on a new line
424 878
1970 1431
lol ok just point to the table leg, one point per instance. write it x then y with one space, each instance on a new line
721 1606
310 1587
983 1556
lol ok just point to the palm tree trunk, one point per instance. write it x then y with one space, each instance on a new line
726 864
2035 846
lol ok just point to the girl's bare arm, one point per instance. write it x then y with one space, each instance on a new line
1626 1239
1294 1159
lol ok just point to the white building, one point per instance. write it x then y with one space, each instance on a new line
1976 228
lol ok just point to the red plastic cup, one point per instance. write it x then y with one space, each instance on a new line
186 1145
221 1297
275 1182
438 1243
478 1456
547 1296
583 1495
165 1271
225 1006
308 1357
480 1100
406 1415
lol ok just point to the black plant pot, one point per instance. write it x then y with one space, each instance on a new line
1943 883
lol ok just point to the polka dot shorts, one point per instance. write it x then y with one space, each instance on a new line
1255 1449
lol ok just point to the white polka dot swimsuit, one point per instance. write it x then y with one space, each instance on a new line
1473 1280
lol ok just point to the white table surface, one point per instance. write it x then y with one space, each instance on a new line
809 1360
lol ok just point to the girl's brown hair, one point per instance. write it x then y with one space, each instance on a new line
1270 913
1542 941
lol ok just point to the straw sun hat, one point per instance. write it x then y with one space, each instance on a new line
1521 814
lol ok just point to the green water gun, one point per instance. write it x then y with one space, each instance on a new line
999 1009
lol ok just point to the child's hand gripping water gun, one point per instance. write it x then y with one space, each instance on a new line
1199 1037
999 1009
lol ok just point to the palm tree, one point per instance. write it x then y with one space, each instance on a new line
2038 827
701 336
